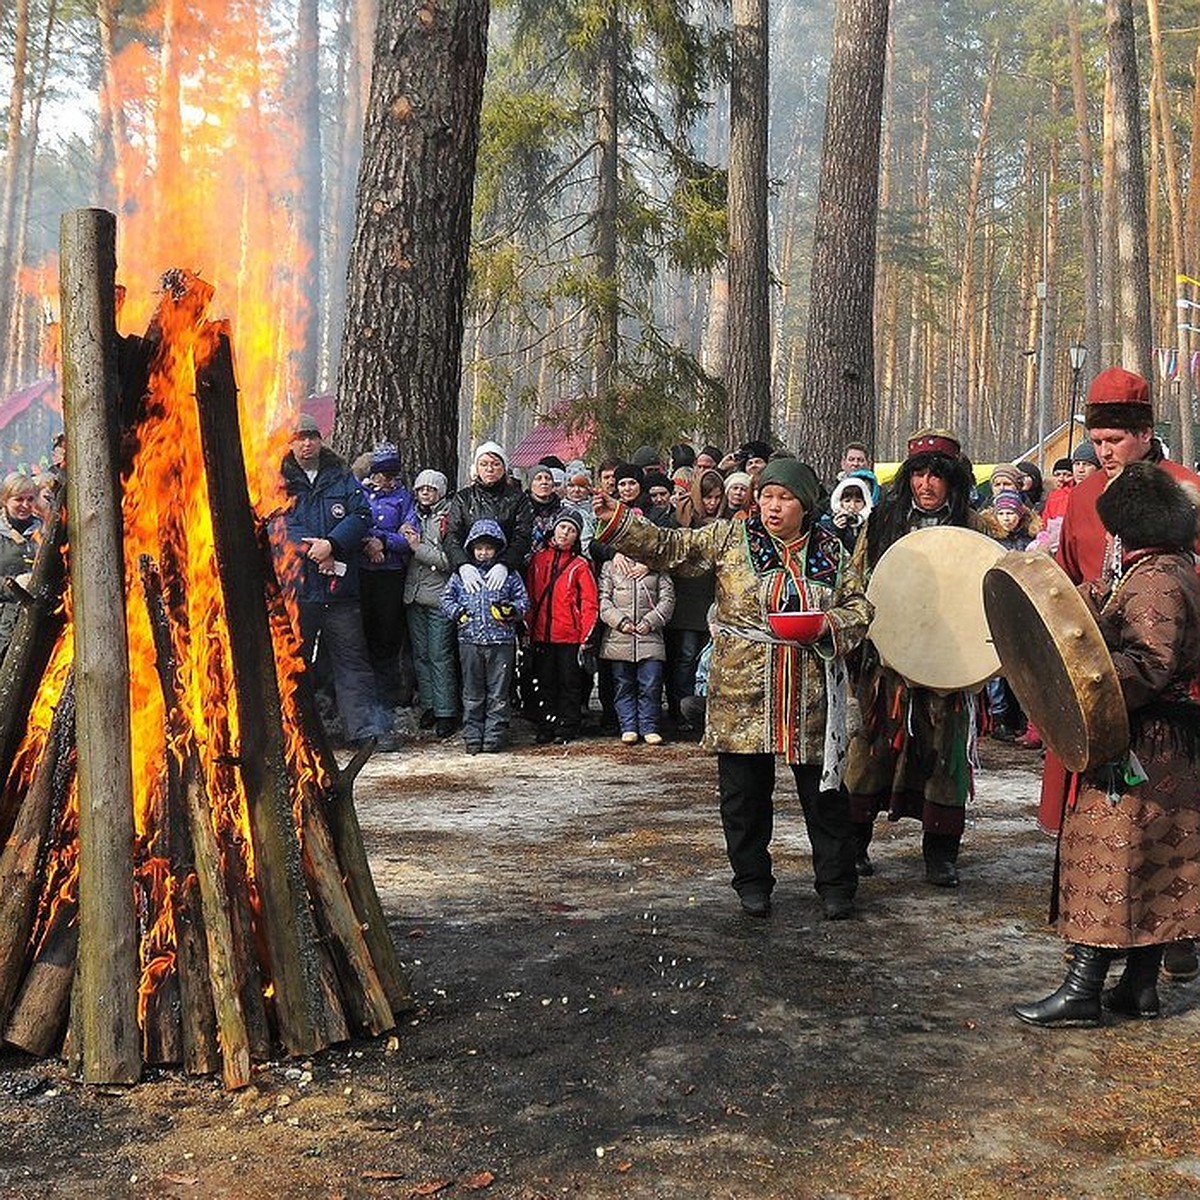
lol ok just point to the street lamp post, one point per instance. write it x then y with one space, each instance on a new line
1078 353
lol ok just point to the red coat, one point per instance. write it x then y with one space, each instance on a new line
564 603
1084 539
1081 552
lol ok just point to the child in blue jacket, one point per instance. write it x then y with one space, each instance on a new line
486 604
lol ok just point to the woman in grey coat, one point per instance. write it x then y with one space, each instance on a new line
434 651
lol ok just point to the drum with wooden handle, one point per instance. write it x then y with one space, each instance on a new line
929 623
1055 660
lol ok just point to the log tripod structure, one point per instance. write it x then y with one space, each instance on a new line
279 944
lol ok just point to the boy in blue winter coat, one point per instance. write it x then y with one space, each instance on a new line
486 607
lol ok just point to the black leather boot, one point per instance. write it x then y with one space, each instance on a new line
1077 1001
941 855
1135 993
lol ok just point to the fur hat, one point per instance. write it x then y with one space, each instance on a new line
630 471
645 456
1144 506
756 449
1118 399
658 479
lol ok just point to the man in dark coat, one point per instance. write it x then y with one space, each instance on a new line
324 530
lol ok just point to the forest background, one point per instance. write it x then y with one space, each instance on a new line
227 135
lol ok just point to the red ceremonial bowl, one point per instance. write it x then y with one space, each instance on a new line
803 627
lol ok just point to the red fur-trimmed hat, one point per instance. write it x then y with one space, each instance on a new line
934 441
1119 399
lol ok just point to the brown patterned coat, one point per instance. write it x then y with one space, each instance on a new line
1129 856
764 697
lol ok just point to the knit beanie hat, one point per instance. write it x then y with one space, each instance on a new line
1007 501
489 448
713 452
385 459
644 456
541 469
757 450
799 479
1119 399
630 471
433 479
578 474
737 477
657 479
1006 477
1085 452
1060 464
569 516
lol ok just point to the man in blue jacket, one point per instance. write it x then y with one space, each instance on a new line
326 525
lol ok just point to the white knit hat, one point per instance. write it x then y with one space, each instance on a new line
489 448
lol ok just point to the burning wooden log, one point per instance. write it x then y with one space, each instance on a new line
259 923
107 1013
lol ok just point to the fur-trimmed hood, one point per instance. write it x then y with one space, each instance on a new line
1144 506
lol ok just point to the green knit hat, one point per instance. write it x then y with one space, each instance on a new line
799 479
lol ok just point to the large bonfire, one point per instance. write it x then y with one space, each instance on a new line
258 926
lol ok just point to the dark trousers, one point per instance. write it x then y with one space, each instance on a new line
746 783
382 598
557 686
684 647
334 633
487 675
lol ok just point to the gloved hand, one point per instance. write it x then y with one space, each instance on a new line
503 612
469 574
497 574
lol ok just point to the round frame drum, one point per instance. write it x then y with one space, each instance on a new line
1055 660
929 623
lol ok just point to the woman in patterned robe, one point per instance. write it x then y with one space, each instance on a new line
767 696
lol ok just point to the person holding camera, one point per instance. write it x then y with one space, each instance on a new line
849 508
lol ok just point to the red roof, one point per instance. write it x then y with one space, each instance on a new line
45 390
550 437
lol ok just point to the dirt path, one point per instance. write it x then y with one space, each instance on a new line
600 1020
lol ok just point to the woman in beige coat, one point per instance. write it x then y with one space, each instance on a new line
767 696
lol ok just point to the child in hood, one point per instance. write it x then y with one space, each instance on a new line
849 507
486 619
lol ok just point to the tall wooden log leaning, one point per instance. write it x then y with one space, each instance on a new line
105 1024
291 932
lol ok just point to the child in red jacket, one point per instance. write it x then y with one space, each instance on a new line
564 606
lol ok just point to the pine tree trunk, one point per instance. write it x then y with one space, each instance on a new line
309 159
1109 297
406 283
1182 417
1132 238
9 181
839 372
1089 234
607 305
748 376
